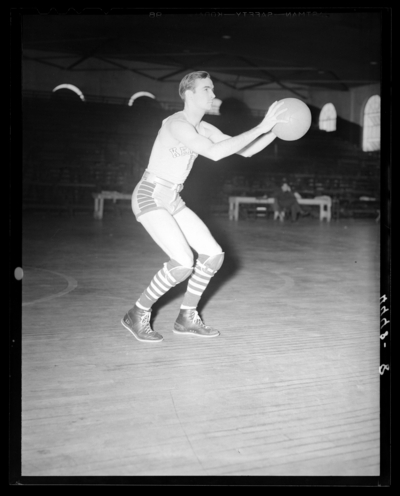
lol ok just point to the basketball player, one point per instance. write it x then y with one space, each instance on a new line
177 230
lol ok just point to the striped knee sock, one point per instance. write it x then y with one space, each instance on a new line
197 283
169 276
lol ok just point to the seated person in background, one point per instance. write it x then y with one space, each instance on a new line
284 199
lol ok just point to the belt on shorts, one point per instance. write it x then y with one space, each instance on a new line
163 182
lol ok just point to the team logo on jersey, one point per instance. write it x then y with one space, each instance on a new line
184 151
180 152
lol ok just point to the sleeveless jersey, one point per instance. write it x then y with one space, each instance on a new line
171 163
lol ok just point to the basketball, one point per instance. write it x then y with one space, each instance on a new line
299 117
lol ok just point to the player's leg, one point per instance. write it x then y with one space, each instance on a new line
165 231
276 209
210 259
295 211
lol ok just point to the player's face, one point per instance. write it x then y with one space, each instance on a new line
203 94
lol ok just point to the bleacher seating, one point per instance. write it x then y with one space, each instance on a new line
73 149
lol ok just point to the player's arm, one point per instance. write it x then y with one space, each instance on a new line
186 134
216 136
258 145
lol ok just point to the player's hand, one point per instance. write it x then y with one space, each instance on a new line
272 116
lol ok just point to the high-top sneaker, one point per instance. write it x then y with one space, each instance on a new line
189 322
137 321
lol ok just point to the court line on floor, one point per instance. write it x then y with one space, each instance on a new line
72 283
187 437
288 284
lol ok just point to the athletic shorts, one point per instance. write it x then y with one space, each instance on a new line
153 193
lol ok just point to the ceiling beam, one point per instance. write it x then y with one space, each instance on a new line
166 76
338 80
42 61
125 67
219 68
168 54
199 64
89 54
271 77
255 85
264 68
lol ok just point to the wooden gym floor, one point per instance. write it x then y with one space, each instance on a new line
291 387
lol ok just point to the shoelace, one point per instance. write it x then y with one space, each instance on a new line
145 321
197 320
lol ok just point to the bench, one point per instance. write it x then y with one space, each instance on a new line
363 206
324 203
107 195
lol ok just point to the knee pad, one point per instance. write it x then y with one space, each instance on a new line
211 264
176 273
